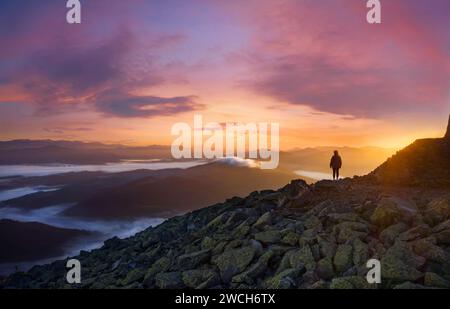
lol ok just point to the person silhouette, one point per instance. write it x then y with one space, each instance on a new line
336 164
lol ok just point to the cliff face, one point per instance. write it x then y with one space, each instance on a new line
301 236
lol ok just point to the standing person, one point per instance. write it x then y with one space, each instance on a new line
336 164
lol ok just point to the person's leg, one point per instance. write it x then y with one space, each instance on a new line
337 174
334 173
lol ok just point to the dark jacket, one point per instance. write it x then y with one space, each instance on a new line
336 162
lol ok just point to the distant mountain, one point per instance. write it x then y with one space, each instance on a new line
73 152
178 192
30 241
143 193
356 161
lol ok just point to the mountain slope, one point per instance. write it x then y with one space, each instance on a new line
301 236
426 162
26 241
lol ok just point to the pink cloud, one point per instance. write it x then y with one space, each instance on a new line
325 55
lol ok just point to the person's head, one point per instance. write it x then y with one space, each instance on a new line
336 153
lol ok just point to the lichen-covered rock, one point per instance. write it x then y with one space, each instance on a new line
351 282
389 234
194 259
400 264
302 258
428 249
133 276
255 270
170 280
434 280
360 252
291 239
414 233
208 243
327 248
392 210
161 265
196 277
438 210
284 280
268 237
264 220
325 269
343 259
234 261
442 232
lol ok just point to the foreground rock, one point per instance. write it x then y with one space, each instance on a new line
301 236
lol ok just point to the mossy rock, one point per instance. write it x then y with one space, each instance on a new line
170 280
268 237
343 259
234 261
302 258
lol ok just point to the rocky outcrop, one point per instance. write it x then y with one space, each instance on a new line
424 163
447 133
301 236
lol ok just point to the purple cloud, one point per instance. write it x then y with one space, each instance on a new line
132 106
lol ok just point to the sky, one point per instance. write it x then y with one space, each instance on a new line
134 68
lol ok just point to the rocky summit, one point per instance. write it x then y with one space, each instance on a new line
300 236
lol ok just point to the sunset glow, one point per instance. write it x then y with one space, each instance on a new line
132 69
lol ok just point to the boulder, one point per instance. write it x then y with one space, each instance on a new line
233 262
327 248
268 237
434 280
133 276
286 279
343 259
295 189
324 269
389 234
196 277
291 239
194 259
391 210
254 270
416 232
170 280
437 210
302 258
360 253
427 248
442 232
400 264
161 265
264 220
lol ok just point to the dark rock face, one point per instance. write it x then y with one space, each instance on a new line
447 134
